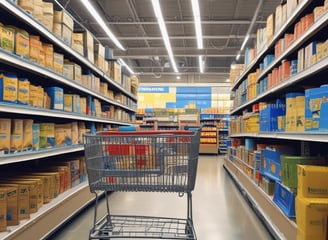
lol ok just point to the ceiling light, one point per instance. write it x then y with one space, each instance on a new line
198 26
101 22
201 64
178 77
160 20
121 61
238 56
244 43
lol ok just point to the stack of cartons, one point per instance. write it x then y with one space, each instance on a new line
63 26
312 202
88 46
48 15
100 56
77 42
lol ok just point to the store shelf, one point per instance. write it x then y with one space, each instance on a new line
278 224
51 215
37 26
300 8
207 148
299 136
308 72
34 111
30 66
33 155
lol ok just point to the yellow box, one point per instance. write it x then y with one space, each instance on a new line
63 134
38 9
22 43
68 102
5 128
48 8
66 35
68 70
23 95
35 47
78 43
63 18
16 138
39 187
47 21
115 71
312 181
9 87
7 38
27 5
77 73
58 62
3 210
49 55
311 218
57 29
83 105
12 205
88 45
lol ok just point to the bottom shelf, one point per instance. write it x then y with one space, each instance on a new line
51 215
208 148
278 224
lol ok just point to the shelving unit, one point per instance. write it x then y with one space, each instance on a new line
71 201
311 76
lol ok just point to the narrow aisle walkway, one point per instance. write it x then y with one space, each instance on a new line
219 210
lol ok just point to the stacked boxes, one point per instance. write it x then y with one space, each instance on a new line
312 202
63 24
292 122
269 116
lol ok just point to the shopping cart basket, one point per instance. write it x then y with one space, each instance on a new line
147 161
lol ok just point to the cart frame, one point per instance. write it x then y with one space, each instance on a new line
142 161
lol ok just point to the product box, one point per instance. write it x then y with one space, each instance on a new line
12 205
35 48
16 137
62 17
311 218
8 88
115 71
284 198
75 133
75 172
77 73
38 9
68 70
51 182
312 181
78 43
47 135
27 5
88 45
40 181
58 62
76 103
22 43
68 102
23 199
57 97
66 35
57 29
63 135
23 93
42 57
49 55
36 136
300 113
3 209
48 15
100 55
83 105
7 38
27 134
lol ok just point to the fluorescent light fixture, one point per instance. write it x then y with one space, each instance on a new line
198 26
101 22
201 64
178 77
121 61
238 56
244 43
160 20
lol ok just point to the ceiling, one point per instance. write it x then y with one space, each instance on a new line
225 24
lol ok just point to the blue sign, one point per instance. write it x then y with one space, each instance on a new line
155 89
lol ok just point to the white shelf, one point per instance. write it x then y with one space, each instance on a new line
51 215
280 225
36 25
22 63
322 64
300 8
299 136
34 111
33 155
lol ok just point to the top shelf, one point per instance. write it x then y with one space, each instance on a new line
300 8
14 10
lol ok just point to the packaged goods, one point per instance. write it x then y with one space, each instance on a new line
7 38
47 135
12 205
35 136
77 42
68 102
3 210
27 133
16 138
56 95
35 48
5 132
312 181
63 134
58 62
49 55
8 87
27 5
22 42
23 96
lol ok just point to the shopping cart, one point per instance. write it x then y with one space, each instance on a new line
147 161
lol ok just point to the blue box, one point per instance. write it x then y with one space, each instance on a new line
56 95
284 199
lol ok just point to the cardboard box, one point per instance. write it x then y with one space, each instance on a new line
12 205
76 107
7 38
22 43
58 62
57 29
62 17
38 9
68 69
27 5
77 73
3 210
63 134
57 97
115 71
311 218
312 181
66 35
49 55
54 181
16 138
39 181
83 105
35 48
78 43
23 93
47 135
88 45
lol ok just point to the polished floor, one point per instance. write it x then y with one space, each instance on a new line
219 210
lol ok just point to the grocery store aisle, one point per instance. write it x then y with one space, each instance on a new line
219 210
